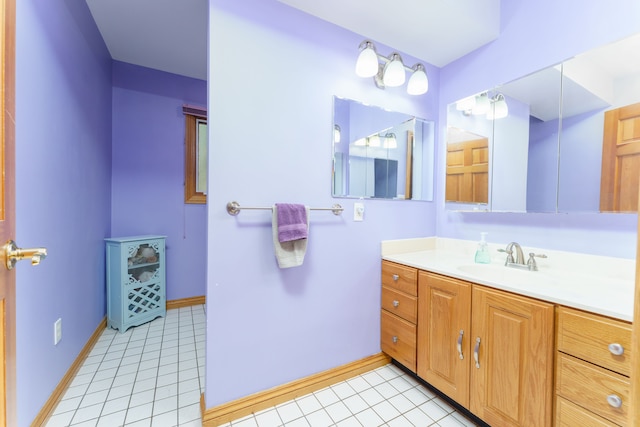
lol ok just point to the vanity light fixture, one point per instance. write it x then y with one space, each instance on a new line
390 71
367 64
393 74
482 104
499 108
418 82
336 134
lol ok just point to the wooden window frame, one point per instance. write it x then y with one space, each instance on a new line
192 116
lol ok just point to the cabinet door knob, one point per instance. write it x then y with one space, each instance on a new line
396 303
616 349
614 401
476 350
459 344
394 339
395 277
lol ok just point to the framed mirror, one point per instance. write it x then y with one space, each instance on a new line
600 136
381 154
570 141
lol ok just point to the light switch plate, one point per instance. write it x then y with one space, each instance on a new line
358 211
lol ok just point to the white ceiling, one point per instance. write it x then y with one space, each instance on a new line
171 35
434 31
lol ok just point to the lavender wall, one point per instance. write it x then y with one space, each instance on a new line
536 34
273 72
63 167
148 170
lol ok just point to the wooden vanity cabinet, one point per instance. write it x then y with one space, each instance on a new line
511 381
490 351
593 364
444 334
399 313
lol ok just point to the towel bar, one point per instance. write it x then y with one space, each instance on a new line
234 208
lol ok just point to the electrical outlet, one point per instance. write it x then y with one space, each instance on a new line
57 331
358 211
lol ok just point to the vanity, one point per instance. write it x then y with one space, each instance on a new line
514 347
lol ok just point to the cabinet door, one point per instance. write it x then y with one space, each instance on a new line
444 335
512 381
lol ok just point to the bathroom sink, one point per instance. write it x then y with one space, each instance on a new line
496 273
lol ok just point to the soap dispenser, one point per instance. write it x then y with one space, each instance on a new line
482 253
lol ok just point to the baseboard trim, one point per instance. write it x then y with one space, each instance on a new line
239 408
55 397
185 302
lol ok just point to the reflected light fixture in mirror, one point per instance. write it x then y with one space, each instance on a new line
482 104
499 108
390 71
336 134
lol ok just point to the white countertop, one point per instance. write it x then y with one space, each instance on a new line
599 284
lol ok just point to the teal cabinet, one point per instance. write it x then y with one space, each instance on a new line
135 280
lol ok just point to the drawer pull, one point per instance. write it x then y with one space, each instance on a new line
614 401
395 277
476 350
616 349
396 303
459 344
394 339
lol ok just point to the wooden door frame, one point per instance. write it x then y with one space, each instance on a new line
7 84
634 404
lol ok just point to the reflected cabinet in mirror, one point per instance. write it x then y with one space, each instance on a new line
381 154
564 139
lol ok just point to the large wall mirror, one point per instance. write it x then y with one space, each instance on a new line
564 139
379 153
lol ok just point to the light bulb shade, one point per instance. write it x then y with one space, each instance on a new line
482 104
367 64
390 141
374 141
499 109
418 82
394 74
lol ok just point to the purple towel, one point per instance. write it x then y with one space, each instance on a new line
292 222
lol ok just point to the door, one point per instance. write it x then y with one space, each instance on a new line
468 171
512 366
620 160
444 335
7 220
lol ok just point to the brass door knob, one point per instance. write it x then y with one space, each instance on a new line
12 254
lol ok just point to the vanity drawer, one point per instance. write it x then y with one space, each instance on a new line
590 386
400 304
400 277
569 414
589 337
398 339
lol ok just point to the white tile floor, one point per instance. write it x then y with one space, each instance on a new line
383 397
153 375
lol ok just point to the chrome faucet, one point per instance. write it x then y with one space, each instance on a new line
519 260
519 254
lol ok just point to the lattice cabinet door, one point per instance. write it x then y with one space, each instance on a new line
135 280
